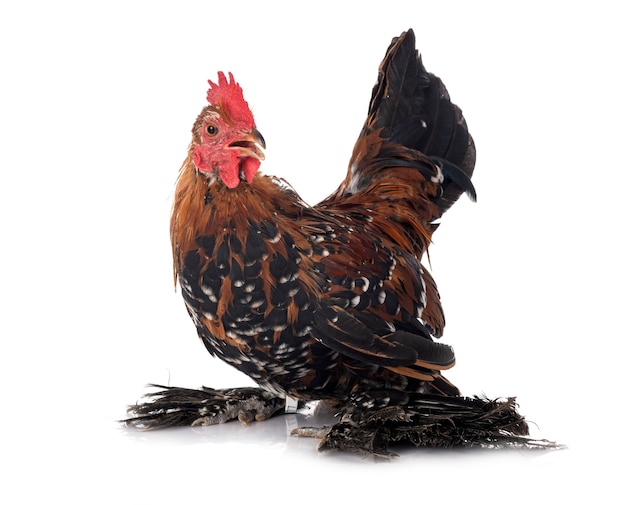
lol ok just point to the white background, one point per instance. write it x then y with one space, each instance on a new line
96 106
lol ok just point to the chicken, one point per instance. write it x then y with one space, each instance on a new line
328 302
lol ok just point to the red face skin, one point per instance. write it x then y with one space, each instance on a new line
229 150
230 145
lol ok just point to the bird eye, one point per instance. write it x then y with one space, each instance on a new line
211 130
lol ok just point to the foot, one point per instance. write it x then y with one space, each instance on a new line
173 406
373 421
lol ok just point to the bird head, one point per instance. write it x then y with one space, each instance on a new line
226 142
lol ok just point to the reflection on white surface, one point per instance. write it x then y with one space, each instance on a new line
272 432
264 458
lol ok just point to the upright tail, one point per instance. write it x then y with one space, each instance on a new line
411 122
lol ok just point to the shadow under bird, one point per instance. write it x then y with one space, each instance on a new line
329 302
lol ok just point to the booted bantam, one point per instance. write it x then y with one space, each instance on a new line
329 302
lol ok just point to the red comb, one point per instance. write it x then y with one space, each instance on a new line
228 96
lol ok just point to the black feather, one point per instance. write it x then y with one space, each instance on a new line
426 349
453 174
412 107
377 420
398 94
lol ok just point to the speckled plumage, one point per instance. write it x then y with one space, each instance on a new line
308 302
326 302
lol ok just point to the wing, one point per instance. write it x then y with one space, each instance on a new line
376 297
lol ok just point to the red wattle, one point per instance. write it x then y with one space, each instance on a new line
250 167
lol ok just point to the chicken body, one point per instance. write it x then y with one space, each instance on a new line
328 301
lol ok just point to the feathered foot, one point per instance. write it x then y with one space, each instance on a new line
174 406
370 423
369 426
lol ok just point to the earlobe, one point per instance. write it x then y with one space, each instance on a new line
198 161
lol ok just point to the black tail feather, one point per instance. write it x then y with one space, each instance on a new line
412 107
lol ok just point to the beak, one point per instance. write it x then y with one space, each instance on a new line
250 144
